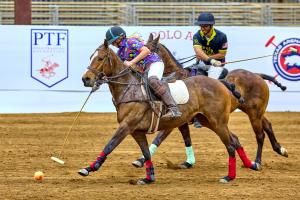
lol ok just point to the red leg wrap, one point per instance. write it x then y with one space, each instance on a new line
149 170
232 167
247 163
99 161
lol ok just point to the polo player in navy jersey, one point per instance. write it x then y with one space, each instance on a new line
210 46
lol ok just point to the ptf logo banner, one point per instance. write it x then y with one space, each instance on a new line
286 58
49 55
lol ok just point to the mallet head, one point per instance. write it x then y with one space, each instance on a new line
57 160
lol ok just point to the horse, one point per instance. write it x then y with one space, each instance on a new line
251 86
206 95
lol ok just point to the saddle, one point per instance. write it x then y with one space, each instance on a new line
171 78
177 88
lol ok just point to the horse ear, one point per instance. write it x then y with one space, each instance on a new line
105 43
157 39
150 38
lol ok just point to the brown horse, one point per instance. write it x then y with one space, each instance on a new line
206 95
252 87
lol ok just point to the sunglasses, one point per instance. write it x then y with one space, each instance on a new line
205 26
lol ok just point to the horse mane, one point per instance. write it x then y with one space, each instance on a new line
171 55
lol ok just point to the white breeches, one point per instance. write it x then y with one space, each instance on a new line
156 69
214 72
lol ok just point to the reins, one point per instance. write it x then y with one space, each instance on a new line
191 58
102 78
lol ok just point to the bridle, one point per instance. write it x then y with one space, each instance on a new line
101 77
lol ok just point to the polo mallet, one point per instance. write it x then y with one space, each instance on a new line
247 59
56 159
270 41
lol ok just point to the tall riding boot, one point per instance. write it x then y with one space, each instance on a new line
231 87
163 92
173 111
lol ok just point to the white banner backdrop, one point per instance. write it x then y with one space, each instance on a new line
41 66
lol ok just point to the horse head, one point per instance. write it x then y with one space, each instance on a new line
152 44
102 65
171 64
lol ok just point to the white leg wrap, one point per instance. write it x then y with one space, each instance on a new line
190 155
152 149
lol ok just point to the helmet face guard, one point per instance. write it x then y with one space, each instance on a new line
205 19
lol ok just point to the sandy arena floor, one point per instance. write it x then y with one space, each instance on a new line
29 140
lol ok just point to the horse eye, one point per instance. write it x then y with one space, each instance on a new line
99 58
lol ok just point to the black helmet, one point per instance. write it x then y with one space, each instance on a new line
114 33
205 18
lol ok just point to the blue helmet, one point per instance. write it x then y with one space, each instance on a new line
205 18
114 33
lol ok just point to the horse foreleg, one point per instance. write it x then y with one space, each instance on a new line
267 126
232 143
141 140
118 137
161 136
190 156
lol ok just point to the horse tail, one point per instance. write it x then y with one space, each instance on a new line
272 79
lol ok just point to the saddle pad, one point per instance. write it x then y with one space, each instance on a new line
179 92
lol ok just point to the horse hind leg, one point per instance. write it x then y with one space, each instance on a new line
260 136
190 156
267 126
185 132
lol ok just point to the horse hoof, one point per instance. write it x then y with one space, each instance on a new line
256 166
144 181
225 179
283 152
138 163
185 165
83 172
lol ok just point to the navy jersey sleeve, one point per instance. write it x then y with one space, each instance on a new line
223 44
197 42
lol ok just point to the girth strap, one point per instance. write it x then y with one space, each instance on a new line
156 115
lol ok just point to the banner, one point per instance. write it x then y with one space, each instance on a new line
41 66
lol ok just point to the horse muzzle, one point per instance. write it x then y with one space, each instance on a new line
88 82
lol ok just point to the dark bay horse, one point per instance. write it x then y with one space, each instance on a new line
206 96
251 86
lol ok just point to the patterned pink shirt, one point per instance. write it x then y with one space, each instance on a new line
130 48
